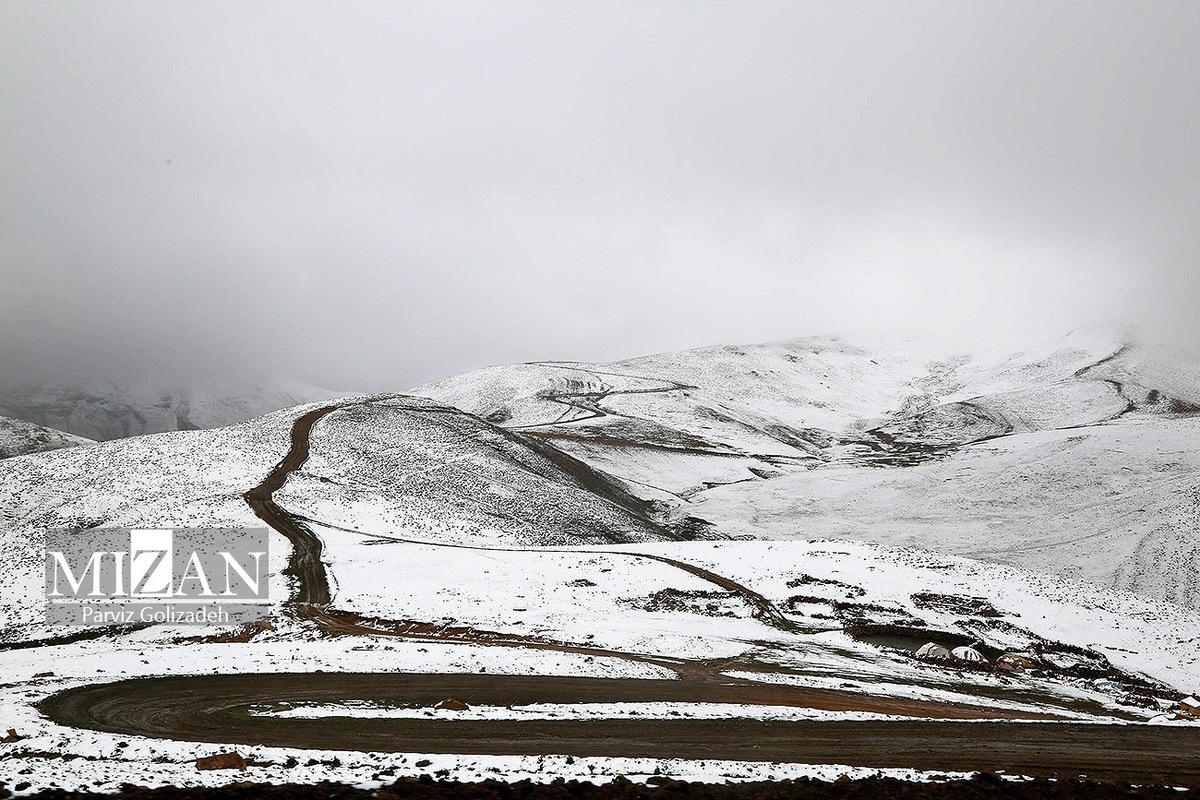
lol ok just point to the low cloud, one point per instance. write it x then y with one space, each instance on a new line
381 194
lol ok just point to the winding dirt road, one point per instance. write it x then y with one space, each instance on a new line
312 596
215 709
312 584
566 427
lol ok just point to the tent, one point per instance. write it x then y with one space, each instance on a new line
969 654
933 650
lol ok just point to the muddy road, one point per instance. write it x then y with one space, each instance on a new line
306 564
214 709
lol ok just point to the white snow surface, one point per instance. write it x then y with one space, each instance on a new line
545 711
604 595
1113 504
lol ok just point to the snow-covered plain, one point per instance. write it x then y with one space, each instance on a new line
490 589
615 598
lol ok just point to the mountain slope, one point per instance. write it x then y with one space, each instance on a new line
1113 504
1075 457
18 438
679 423
428 471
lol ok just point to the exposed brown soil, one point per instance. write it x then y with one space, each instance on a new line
956 604
82 635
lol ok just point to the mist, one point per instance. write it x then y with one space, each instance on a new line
369 196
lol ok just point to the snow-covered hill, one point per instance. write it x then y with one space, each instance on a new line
679 423
423 470
427 471
105 410
1077 457
18 437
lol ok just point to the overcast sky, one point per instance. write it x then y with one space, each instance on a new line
373 195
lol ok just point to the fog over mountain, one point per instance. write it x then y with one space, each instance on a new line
394 193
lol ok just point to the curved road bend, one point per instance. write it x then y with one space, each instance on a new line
589 401
212 708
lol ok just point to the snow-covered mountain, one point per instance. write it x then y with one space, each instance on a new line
104 410
1079 457
18 437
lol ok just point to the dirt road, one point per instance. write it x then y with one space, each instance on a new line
306 564
213 709
312 596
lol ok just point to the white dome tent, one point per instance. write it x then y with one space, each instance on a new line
933 650
969 654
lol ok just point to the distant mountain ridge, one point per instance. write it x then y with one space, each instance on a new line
104 410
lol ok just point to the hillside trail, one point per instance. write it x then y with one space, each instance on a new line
312 597
589 402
